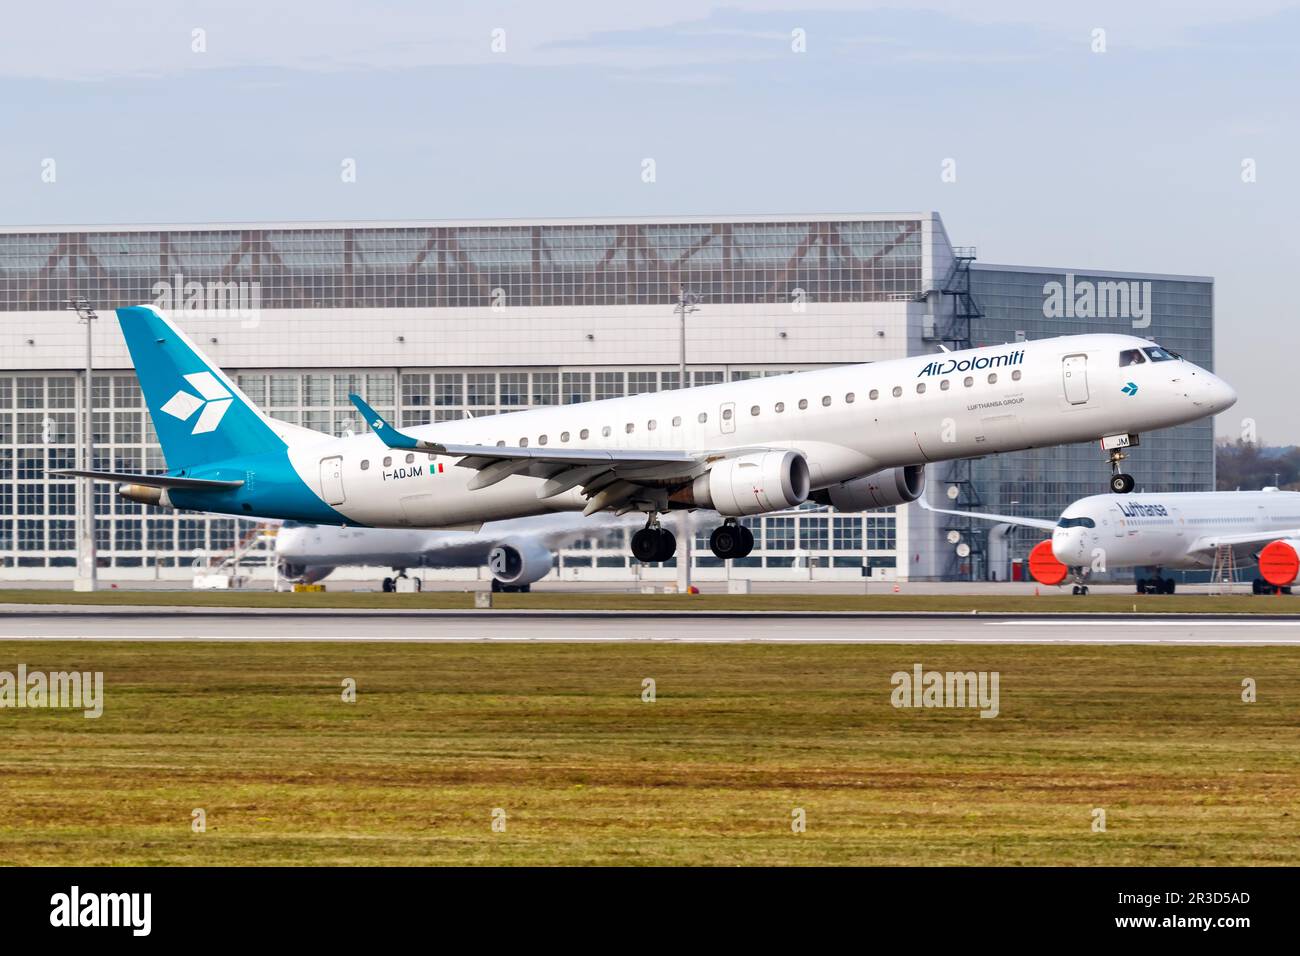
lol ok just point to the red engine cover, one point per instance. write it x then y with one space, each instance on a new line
1044 566
1279 564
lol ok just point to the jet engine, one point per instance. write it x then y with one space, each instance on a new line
750 484
303 573
1279 562
517 564
884 489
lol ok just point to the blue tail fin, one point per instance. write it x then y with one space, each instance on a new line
198 413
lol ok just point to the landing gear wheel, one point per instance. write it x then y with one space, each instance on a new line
746 542
388 585
1080 589
653 544
725 540
1121 484
667 545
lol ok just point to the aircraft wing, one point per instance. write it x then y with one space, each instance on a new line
1041 523
610 478
1243 539
151 481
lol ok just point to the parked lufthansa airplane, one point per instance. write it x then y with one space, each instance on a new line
1176 531
858 435
517 553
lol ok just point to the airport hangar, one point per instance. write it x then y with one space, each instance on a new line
432 321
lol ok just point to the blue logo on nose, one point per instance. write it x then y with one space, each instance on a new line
1130 389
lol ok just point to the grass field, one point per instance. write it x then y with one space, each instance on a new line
1048 603
559 738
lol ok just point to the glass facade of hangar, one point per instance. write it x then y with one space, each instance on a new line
393 267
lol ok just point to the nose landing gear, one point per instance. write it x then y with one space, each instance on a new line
1080 576
653 544
731 540
1120 483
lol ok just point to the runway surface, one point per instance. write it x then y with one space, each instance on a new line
194 624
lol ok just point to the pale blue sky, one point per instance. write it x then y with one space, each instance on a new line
1128 159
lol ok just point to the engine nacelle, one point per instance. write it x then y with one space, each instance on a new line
750 484
1279 562
884 489
516 563
303 573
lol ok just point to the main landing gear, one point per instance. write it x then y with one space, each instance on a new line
401 582
653 544
1120 483
1155 585
731 540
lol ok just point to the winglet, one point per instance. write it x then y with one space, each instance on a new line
389 435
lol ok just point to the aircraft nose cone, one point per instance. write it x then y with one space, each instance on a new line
1220 394
289 540
1067 545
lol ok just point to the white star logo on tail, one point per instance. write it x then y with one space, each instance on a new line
214 402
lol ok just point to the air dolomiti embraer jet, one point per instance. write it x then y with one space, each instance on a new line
855 437
1176 531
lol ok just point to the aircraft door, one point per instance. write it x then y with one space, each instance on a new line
331 480
727 417
1074 369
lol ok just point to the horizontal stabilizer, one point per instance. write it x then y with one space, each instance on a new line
152 481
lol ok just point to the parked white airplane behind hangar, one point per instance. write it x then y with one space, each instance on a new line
517 553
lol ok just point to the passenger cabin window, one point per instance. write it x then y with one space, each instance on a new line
993 377
779 407
651 425
1015 376
523 443
605 431
388 461
365 464
968 381
542 440
873 394
1157 354
1131 357
753 409
898 390
629 428
410 459
501 444
826 401
726 414
803 403
920 388
584 433
943 385
848 399
564 436
704 417
677 421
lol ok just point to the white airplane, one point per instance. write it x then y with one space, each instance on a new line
517 553
1183 531
857 436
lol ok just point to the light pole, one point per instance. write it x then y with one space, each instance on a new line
87 578
687 302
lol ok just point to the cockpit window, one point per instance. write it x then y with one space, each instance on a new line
1157 354
1131 357
1076 523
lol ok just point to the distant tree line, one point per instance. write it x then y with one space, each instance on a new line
1248 466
